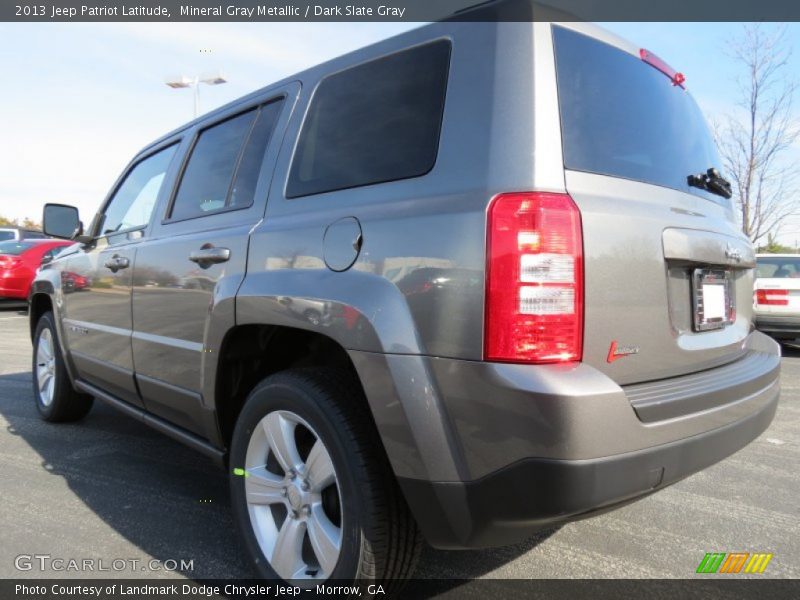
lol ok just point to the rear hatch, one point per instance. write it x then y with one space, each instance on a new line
777 286
668 274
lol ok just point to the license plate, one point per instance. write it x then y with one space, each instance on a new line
712 292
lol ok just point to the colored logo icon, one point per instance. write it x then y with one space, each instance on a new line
734 562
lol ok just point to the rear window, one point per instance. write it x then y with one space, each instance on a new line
778 267
7 235
14 248
624 118
373 123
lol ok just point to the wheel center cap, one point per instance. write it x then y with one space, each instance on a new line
295 497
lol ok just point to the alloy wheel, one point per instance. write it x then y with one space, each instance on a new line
293 497
46 367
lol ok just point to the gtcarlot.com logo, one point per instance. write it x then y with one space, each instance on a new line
46 562
734 562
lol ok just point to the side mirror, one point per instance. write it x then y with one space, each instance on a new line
61 221
46 259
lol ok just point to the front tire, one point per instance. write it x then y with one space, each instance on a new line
56 399
313 494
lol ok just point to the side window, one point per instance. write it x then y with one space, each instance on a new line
135 199
223 169
372 123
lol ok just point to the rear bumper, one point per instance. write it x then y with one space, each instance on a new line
780 327
508 506
486 454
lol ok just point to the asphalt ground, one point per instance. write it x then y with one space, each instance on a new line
110 488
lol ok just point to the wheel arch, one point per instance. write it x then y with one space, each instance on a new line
249 353
39 304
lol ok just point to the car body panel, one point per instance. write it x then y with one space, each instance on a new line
177 303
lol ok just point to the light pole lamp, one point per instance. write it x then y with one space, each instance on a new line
184 81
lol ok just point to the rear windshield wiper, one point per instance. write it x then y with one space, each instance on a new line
711 181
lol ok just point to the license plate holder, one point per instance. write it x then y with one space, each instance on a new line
712 299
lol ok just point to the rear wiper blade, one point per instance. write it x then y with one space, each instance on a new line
711 181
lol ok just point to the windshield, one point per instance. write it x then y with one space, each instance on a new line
778 267
14 248
624 118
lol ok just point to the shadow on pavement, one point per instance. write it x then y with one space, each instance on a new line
791 350
162 497
165 499
12 307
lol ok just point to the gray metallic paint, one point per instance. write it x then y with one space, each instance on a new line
443 414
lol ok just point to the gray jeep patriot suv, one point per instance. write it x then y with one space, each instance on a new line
460 285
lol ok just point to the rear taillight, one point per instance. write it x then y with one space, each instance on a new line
10 262
772 297
534 280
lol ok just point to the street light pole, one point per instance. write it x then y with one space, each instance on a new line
196 86
184 81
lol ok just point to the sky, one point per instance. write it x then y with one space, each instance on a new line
78 100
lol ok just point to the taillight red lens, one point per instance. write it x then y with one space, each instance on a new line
656 62
9 262
772 297
534 281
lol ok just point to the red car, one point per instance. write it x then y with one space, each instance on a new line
18 263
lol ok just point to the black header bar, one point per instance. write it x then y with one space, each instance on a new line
398 10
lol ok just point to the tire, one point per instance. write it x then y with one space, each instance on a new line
56 399
378 538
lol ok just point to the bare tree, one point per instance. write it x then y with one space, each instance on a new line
753 143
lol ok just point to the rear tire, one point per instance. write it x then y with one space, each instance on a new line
288 421
56 399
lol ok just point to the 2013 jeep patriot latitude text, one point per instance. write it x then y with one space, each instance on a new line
466 283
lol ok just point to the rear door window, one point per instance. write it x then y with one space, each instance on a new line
376 122
624 118
225 163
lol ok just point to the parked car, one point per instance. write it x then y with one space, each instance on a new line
20 233
72 282
607 353
777 295
19 262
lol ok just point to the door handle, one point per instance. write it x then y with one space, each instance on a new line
205 257
117 262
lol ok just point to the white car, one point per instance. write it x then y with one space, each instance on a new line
11 233
777 295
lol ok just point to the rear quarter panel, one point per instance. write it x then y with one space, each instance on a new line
418 282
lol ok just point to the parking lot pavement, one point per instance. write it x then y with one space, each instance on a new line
110 488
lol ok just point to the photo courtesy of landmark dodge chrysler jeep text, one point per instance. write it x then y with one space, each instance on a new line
463 284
